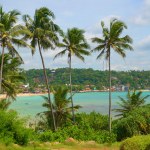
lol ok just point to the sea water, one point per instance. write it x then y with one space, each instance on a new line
91 101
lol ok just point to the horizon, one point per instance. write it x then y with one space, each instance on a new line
75 14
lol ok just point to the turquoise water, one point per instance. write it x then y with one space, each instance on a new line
92 101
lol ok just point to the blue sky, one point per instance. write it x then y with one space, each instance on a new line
87 15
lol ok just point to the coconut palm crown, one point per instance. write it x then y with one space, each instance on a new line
61 105
133 100
112 40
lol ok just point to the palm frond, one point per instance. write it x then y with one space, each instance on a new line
60 54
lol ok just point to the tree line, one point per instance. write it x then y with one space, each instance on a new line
82 77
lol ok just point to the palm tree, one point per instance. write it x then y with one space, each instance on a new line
61 105
133 101
112 39
12 75
9 32
74 43
43 35
4 104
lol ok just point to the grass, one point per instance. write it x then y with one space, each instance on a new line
62 146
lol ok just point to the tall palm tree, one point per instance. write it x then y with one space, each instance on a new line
61 105
112 39
74 43
43 35
133 101
9 33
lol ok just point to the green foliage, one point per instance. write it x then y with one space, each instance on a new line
85 129
134 123
42 30
86 134
4 104
82 77
94 120
134 100
12 75
111 39
11 31
12 129
62 110
74 43
136 143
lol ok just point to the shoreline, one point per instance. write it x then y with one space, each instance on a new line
38 94
23 94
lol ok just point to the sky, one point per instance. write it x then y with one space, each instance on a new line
87 15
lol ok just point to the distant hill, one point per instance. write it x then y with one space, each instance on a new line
60 76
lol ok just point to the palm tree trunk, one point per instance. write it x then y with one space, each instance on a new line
73 115
46 80
109 94
1 69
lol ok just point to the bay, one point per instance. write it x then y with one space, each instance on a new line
90 101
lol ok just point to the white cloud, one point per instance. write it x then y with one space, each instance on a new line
144 44
143 17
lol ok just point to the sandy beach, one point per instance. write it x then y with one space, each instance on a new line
23 94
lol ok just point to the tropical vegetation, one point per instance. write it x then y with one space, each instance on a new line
82 77
62 109
58 123
12 75
134 100
10 34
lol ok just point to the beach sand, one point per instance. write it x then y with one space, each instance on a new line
23 94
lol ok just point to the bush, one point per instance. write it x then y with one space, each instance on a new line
88 127
12 129
136 143
134 123
80 134
94 120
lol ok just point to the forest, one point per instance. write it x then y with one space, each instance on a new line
81 77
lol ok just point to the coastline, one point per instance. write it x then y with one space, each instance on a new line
38 94
23 94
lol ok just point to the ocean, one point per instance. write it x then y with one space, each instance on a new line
91 101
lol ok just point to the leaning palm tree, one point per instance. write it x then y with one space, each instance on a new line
112 39
43 35
10 35
74 43
61 105
133 101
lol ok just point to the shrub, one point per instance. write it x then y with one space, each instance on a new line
46 136
88 127
94 120
12 129
136 143
80 134
134 123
